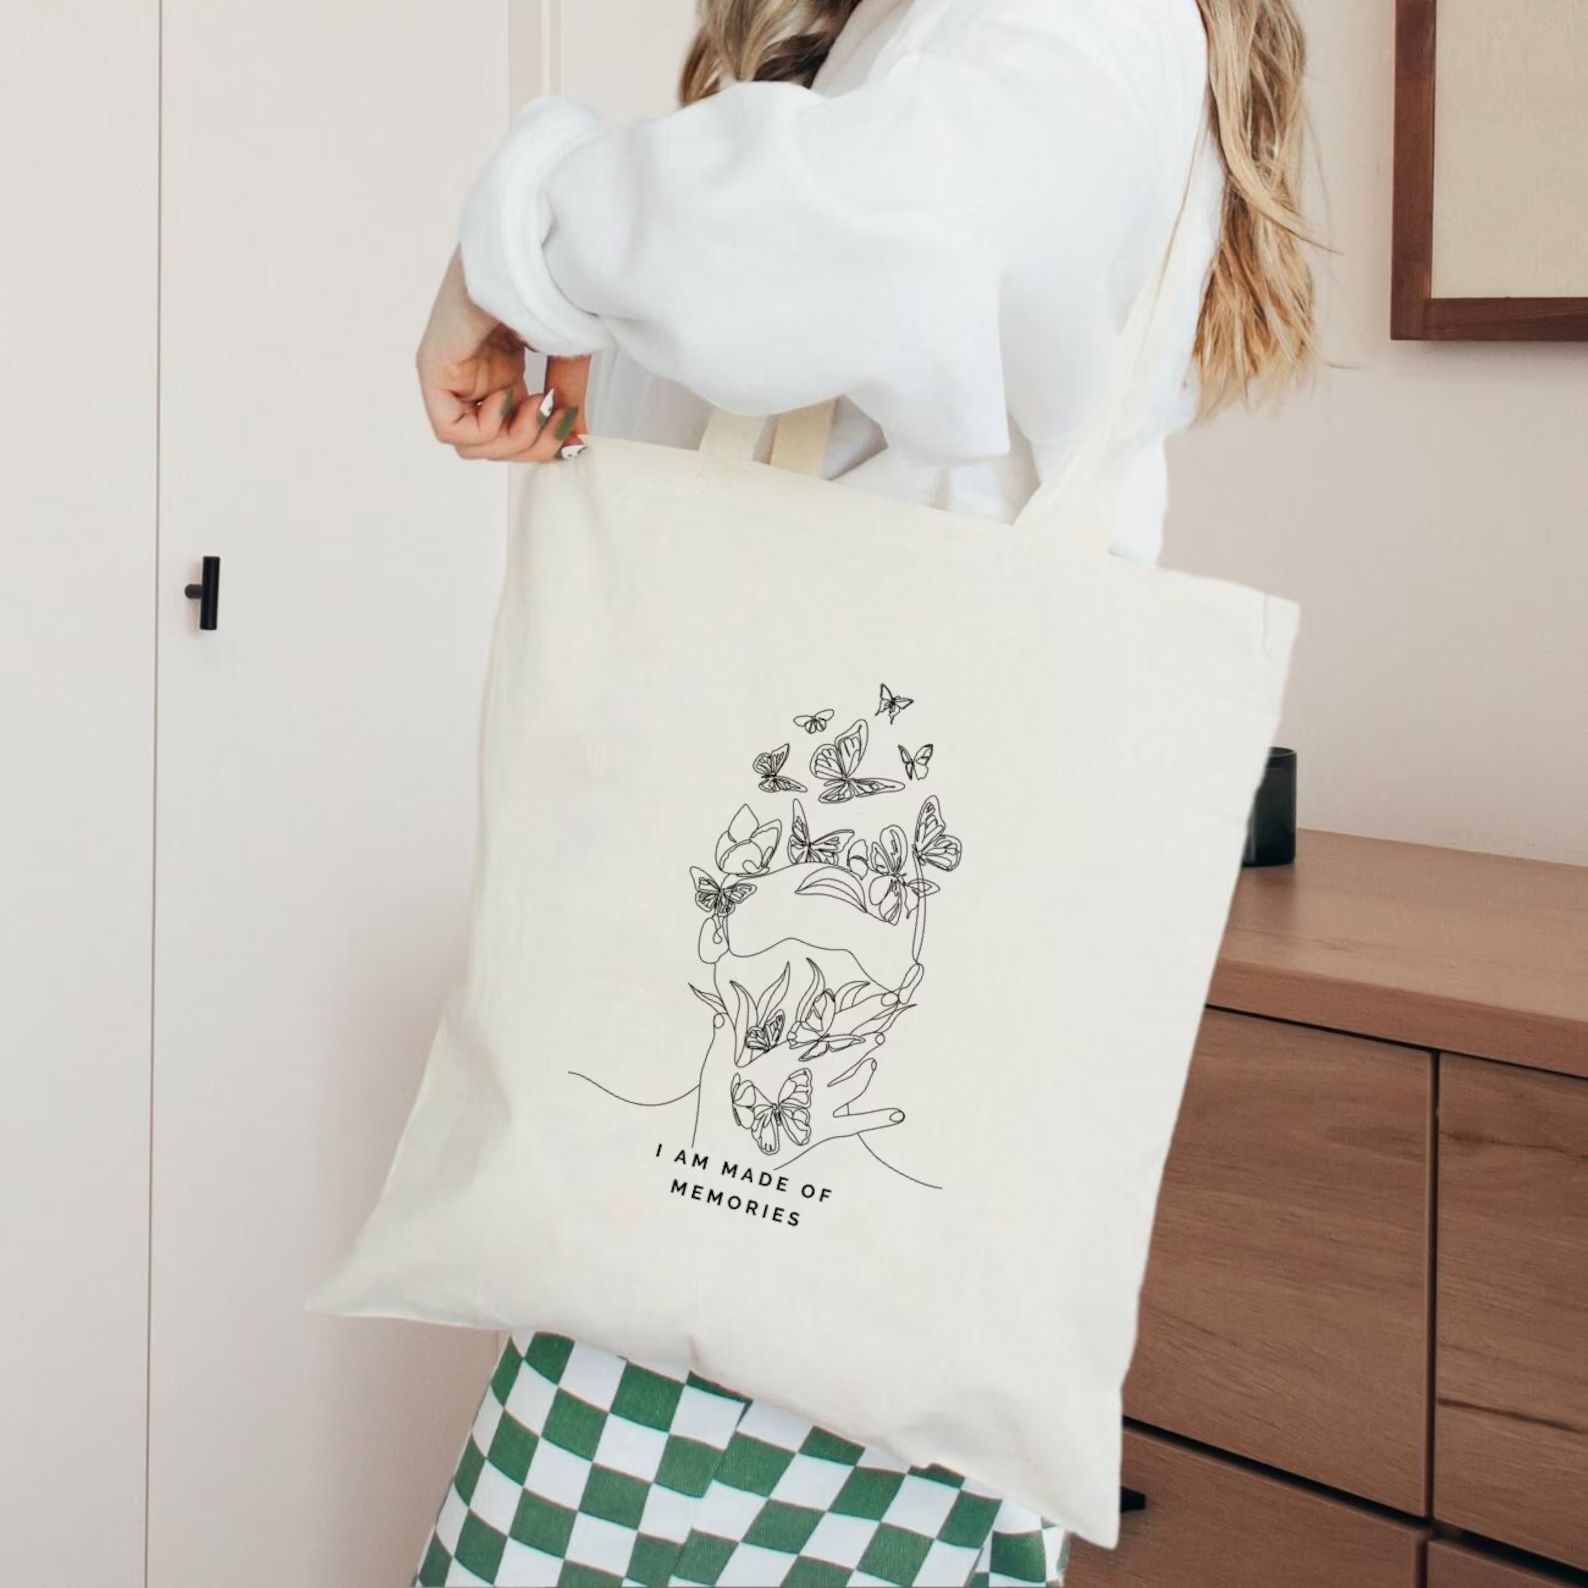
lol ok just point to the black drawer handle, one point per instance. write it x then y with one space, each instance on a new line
1131 1500
208 594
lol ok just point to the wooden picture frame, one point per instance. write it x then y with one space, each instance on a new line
1416 314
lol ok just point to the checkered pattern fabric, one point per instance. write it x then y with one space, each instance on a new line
586 1471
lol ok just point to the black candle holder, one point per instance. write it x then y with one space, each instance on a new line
1271 829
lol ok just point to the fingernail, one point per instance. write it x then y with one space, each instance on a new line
896 1117
547 404
570 417
509 403
573 449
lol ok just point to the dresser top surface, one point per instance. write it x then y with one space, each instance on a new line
1443 948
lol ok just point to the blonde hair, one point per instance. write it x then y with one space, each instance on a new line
1256 334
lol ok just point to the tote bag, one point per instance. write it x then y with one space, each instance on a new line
849 879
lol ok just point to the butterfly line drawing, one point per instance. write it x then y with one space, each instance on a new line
891 703
838 764
891 891
769 768
790 1114
816 722
718 899
915 766
763 1038
803 850
934 844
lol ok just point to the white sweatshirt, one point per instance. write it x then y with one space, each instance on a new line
947 233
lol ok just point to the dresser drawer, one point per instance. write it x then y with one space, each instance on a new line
1214 1524
1452 1566
1285 1313
1511 1368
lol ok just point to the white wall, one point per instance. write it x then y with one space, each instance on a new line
1428 507
620 57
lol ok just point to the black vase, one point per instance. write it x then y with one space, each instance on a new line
1271 829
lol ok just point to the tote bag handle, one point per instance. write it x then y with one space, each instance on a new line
799 444
799 441
1080 502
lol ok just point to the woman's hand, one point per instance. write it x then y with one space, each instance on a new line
471 371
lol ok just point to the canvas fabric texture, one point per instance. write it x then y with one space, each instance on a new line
586 1471
849 881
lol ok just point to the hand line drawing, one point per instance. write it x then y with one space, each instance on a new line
891 1170
634 1102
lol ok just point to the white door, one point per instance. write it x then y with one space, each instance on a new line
78 173
316 766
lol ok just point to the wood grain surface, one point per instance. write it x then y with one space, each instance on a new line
1412 235
1480 954
1511 1366
1454 1566
1285 1313
1214 1524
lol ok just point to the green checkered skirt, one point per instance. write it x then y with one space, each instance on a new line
583 1470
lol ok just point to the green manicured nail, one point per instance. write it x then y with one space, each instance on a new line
570 418
509 403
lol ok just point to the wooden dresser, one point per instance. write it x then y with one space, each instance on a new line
1363 1359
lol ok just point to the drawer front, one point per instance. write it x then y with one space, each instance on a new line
1511 1369
1451 1566
1285 1313
1213 1524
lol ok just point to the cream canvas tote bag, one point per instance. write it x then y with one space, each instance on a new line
849 880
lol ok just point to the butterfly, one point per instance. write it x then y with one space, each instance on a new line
824 851
837 763
934 844
790 1114
816 722
763 1038
719 899
915 765
769 768
891 703
814 1037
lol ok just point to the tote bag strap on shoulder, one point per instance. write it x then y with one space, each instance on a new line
1078 502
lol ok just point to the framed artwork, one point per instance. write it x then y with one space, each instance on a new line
1491 171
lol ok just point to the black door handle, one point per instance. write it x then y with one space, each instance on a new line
208 594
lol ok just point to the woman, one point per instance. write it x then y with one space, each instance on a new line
939 212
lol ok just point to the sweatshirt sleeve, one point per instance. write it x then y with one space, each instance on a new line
770 247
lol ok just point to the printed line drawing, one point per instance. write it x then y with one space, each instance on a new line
769 768
790 1114
891 703
719 899
838 765
828 850
802 1005
933 843
817 721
